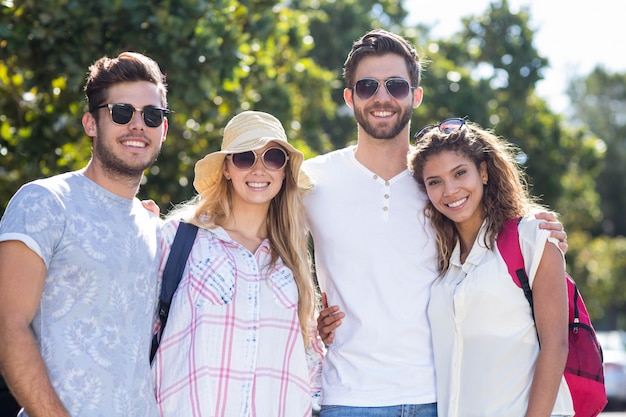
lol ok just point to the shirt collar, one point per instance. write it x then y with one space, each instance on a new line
476 254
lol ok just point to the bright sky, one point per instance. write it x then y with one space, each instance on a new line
574 35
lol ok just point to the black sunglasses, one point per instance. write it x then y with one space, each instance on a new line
122 114
447 126
398 88
273 159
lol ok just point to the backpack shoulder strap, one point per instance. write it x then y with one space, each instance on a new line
172 273
179 252
509 247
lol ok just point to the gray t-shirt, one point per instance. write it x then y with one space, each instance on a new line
93 324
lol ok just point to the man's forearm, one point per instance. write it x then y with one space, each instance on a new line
25 373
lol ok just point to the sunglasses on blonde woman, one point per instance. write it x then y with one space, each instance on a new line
447 126
273 159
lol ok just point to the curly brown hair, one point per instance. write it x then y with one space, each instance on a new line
505 196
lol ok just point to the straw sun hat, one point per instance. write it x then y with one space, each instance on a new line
247 131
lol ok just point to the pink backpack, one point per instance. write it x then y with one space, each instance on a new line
583 372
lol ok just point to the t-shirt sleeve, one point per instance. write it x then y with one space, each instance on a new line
36 217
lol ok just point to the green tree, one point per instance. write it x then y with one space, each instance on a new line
601 261
220 56
599 101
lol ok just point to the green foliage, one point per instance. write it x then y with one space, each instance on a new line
599 101
579 202
599 269
221 57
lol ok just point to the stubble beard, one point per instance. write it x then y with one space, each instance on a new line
384 132
115 166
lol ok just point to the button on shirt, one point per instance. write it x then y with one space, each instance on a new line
376 258
232 345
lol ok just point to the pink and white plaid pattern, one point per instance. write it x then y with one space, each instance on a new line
232 346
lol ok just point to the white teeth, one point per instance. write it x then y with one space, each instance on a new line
258 184
457 203
382 113
135 144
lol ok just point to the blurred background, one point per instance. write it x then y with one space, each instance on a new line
547 79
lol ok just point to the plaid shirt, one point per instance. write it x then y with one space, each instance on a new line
232 345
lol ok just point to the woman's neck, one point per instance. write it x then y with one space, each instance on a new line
248 227
468 232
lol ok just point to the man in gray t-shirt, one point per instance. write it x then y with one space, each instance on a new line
78 259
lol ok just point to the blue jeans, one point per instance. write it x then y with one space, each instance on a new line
410 410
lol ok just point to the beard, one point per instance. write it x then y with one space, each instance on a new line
117 167
386 131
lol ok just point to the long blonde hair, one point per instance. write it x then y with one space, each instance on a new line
505 196
286 234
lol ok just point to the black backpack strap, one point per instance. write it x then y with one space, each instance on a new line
523 279
172 273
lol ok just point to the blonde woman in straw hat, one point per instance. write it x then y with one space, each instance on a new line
240 338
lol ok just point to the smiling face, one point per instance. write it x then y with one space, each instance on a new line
383 116
255 186
126 150
454 185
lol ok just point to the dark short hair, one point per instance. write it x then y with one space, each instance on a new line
127 67
379 42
